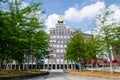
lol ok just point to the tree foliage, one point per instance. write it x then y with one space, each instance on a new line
107 29
81 46
22 32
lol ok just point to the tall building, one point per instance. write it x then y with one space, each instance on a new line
58 38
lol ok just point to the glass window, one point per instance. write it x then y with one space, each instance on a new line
65 46
57 50
54 45
61 46
65 37
59 32
57 36
62 50
57 46
61 41
68 37
50 40
50 32
53 32
65 41
51 37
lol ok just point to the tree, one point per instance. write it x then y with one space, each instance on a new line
80 49
105 29
22 32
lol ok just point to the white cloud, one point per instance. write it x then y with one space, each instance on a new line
51 21
23 5
116 10
76 15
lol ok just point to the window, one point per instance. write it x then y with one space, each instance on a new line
50 40
53 32
68 37
61 50
59 32
50 32
57 36
68 32
62 55
65 46
57 46
53 36
54 45
58 50
61 41
65 37
65 40
61 46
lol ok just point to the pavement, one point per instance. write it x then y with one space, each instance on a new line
117 69
54 70
54 75
60 74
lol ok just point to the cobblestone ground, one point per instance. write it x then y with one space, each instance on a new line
65 76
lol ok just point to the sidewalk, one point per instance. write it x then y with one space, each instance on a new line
96 74
54 70
105 69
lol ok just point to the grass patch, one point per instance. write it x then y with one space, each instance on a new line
96 73
18 72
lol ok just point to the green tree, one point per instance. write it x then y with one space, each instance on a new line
80 48
22 32
106 30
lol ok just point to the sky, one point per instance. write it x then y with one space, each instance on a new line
78 14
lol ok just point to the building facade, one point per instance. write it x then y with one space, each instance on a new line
58 39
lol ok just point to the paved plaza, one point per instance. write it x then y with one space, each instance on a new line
64 76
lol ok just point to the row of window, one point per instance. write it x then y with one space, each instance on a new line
60 27
54 37
60 50
58 46
56 61
58 41
61 32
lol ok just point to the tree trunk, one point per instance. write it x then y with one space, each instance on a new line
19 67
0 65
92 67
48 64
28 61
80 66
111 68
15 66
36 64
23 66
32 63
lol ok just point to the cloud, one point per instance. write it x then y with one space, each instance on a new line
24 5
51 21
116 10
76 15
113 18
